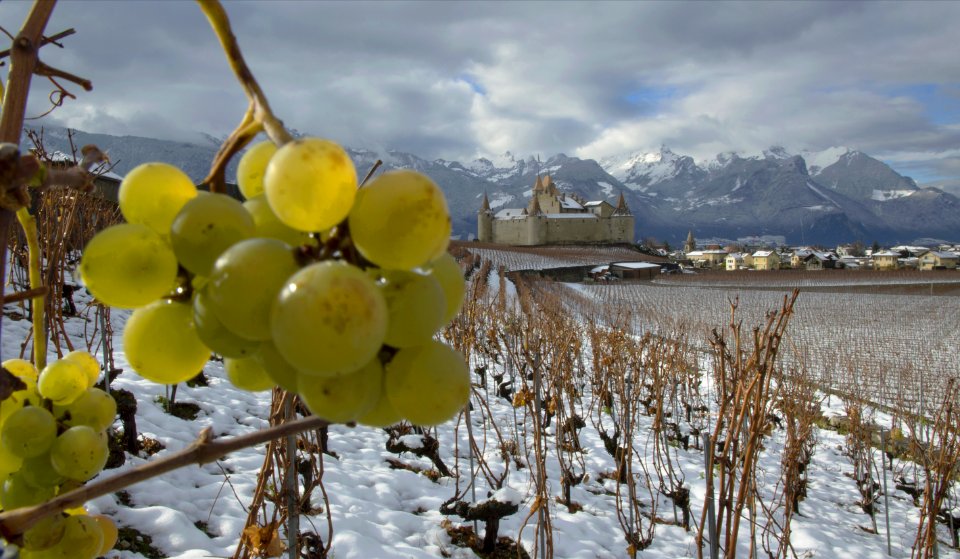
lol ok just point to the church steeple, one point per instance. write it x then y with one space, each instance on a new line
691 244
622 208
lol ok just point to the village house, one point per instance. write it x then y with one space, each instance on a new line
713 258
766 260
938 260
886 260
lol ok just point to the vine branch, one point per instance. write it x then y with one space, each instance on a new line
202 451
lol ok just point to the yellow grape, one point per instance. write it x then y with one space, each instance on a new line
245 282
276 367
161 343
110 533
310 184
247 374
381 414
62 382
16 493
22 369
428 384
39 472
400 220
269 225
20 399
214 334
94 408
9 462
82 539
346 397
329 319
79 453
252 166
446 270
87 363
128 266
416 305
153 193
205 227
29 432
45 533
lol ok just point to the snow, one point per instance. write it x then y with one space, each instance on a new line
379 512
884 195
605 187
821 194
817 161
500 199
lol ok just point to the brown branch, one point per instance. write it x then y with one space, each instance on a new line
23 62
43 69
204 450
24 295
45 41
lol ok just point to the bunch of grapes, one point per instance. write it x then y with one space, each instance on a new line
53 437
327 290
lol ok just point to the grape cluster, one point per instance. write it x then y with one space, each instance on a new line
311 284
53 437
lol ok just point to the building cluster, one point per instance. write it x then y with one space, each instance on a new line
944 257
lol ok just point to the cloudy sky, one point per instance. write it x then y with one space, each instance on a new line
459 80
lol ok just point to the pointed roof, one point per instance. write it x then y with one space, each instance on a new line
690 236
535 207
549 186
538 186
485 205
622 208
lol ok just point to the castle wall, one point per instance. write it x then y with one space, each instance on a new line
565 230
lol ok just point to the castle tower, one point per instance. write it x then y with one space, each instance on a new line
691 244
536 233
485 221
622 222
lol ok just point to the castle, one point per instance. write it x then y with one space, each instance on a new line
553 218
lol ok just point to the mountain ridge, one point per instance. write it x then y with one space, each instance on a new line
827 197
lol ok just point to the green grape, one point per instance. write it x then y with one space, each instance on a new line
276 367
416 305
428 384
244 285
19 399
94 408
153 193
247 374
79 453
29 432
381 414
110 533
214 334
161 343
448 273
82 539
87 362
310 184
45 533
62 382
22 369
346 397
17 493
400 220
329 319
39 472
128 265
269 225
9 462
252 166
205 227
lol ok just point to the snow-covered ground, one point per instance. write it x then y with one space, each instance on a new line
379 512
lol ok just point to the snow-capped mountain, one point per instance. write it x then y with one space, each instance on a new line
829 196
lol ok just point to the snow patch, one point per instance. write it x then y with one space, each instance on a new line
884 195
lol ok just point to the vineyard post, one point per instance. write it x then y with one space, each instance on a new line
629 444
711 514
884 440
292 482
473 472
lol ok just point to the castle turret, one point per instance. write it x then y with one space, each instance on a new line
622 222
536 223
485 221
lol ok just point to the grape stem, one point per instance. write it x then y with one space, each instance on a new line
202 451
29 225
258 118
